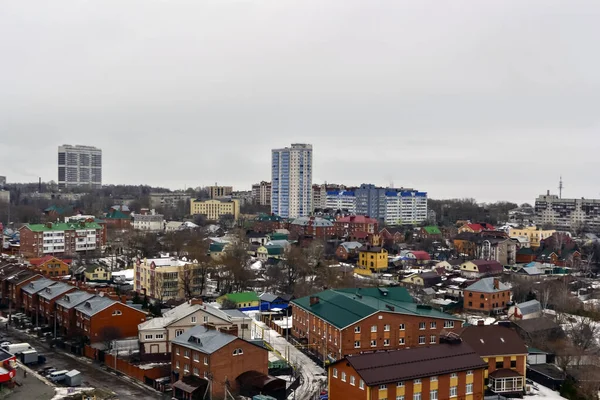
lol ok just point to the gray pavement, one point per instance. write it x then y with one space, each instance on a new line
28 387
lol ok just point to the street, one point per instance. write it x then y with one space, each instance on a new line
93 375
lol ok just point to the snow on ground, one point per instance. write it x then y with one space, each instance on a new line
61 393
543 392
127 274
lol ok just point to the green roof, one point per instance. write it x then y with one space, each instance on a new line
116 214
274 250
243 297
266 217
279 236
344 307
63 226
59 210
525 251
216 247
432 230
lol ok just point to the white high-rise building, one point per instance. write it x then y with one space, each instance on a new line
79 166
291 183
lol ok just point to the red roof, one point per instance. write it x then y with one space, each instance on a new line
360 234
421 255
357 219
39 261
488 266
481 227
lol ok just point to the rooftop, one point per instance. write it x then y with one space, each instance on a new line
312 221
242 297
62 226
55 290
182 311
37 285
203 339
94 305
73 299
493 340
486 285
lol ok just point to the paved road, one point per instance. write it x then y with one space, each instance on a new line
93 375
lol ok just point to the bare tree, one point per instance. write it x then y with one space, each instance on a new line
108 334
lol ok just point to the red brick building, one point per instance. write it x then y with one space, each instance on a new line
346 226
268 223
315 227
50 266
201 354
487 295
445 371
61 239
337 323
47 300
102 319
15 283
65 311
29 294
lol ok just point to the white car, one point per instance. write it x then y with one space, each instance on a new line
5 344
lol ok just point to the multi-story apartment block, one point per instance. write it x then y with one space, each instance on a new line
394 206
320 194
567 213
341 200
168 200
79 166
216 191
446 371
149 222
291 190
261 193
340 322
61 239
214 209
166 278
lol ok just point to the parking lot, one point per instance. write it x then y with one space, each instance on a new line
93 374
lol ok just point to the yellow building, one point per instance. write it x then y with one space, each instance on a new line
167 278
219 191
97 273
374 258
534 234
214 209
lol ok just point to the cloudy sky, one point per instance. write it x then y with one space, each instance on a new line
485 99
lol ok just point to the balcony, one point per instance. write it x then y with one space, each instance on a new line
506 381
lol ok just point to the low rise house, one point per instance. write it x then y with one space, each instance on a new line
430 232
47 300
527 310
348 251
65 311
270 301
316 227
487 295
50 266
476 228
444 371
30 292
97 273
505 354
15 282
373 258
534 234
423 280
391 237
149 222
346 226
241 301
480 268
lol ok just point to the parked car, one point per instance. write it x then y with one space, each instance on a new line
58 376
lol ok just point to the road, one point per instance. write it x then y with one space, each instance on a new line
93 374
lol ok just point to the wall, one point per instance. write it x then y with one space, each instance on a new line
127 322
489 301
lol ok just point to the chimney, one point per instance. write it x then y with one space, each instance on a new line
480 322
496 283
548 192
314 300
195 301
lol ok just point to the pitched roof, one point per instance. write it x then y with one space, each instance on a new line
351 245
268 297
39 261
488 266
58 289
432 230
94 305
486 285
421 255
37 285
242 297
493 340
419 362
73 299
357 219
182 311
312 221
116 214
539 324
530 307
344 307
203 339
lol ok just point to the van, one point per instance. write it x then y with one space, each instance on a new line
17 347
58 376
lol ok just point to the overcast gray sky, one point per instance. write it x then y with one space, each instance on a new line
486 99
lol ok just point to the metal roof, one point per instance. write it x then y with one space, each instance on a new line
203 339
530 307
73 299
486 285
55 290
94 305
37 285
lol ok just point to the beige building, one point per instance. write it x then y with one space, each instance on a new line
219 191
534 234
261 193
214 209
166 278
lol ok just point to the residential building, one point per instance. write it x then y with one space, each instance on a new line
79 166
444 371
348 251
15 283
155 335
480 268
208 354
168 199
215 209
50 266
341 200
487 245
216 192
118 219
65 312
505 354
268 223
373 258
291 172
149 222
244 197
340 322
269 301
405 207
346 226
487 295
527 310
166 278
102 319
568 214
61 239
430 232
423 279
391 237
29 295
476 228
316 227
534 234
261 193
241 301
97 273
47 300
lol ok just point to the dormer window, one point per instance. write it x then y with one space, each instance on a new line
117 312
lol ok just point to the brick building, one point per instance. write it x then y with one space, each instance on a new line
346 226
14 284
65 311
445 371
505 354
58 239
316 227
50 266
29 294
47 300
336 323
206 354
487 295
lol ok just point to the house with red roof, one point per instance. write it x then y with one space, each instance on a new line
476 228
480 268
346 226
50 266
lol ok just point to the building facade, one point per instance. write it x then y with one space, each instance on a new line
567 213
261 193
168 200
532 234
166 278
488 295
405 207
79 166
149 222
291 183
216 191
214 209
341 200
347 226
61 239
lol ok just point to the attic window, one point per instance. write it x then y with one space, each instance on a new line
117 312
481 340
88 304
502 339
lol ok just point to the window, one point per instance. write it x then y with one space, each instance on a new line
481 305
469 372
421 339
399 397
357 344
432 325
453 391
205 375
343 377
417 396
386 342
205 318
159 336
470 304
178 332
402 327
469 388
148 337
352 380
448 324
193 320
433 379
238 352
374 328
373 343
205 360
177 351
357 329
421 325
335 372
432 339
361 384
401 341
417 382
196 372
513 363
382 387
186 368
400 384
433 395
499 364
117 312
186 353
177 364
453 375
